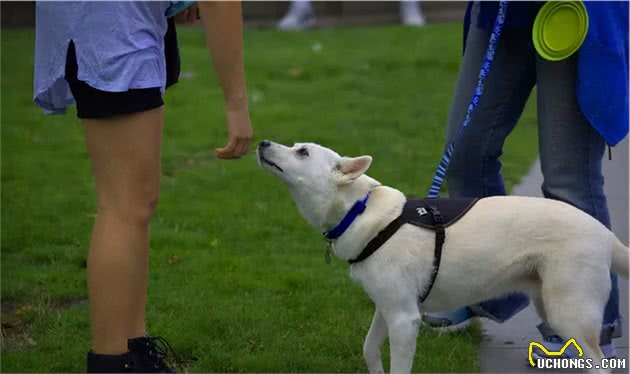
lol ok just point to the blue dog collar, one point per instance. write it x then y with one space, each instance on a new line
357 209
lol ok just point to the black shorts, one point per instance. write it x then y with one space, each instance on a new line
93 103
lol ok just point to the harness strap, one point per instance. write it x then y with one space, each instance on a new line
379 240
391 229
440 236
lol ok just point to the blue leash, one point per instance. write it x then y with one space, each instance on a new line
442 168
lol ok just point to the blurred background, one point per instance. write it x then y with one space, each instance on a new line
267 13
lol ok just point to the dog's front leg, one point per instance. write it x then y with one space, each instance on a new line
402 325
373 342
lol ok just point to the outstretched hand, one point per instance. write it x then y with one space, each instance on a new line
240 133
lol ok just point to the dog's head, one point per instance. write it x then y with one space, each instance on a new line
323 184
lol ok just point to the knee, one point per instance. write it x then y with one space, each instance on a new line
577 181
146 206
571 192
134 205
587 197
404 329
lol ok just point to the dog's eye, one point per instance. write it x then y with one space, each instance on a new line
302 152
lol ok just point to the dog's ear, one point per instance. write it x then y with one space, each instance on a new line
352 168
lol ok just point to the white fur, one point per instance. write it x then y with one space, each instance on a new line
557 254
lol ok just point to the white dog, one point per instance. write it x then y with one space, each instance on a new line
560 256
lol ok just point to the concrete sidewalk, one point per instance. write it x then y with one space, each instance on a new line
504 347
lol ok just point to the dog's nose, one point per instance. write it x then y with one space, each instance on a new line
264 144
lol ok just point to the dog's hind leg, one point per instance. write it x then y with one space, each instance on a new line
575 309
403 321
586 334
373 341
585 329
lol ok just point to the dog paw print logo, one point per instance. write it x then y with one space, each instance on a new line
549 353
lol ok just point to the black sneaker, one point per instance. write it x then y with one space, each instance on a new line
149 354
97 363
146 354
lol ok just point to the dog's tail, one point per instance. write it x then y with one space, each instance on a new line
620 259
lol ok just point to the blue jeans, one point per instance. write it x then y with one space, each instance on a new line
570 149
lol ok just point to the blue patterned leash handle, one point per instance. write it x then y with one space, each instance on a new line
442 168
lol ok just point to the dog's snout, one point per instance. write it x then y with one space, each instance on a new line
264 144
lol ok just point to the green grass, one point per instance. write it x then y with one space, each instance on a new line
251 291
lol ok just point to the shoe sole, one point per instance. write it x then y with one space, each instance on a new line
452 328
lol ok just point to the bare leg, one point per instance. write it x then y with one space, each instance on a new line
373 342
125 155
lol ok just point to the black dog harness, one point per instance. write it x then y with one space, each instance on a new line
433 214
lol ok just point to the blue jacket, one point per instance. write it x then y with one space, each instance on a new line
602 76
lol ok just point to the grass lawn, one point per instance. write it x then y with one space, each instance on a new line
238 280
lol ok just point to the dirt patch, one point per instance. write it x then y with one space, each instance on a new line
17 320
16 327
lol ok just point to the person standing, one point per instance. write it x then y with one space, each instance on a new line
115 61
582 107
